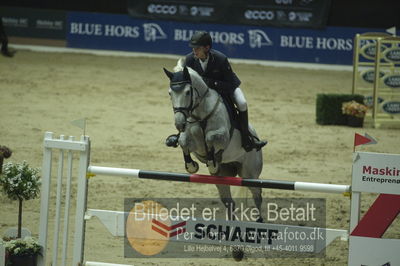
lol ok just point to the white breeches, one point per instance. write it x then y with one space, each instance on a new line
240 100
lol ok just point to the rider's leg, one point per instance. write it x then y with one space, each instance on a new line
248 141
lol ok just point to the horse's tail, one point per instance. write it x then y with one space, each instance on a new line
179 65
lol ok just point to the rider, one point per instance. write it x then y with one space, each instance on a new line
217 73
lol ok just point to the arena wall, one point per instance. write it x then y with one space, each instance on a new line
331 45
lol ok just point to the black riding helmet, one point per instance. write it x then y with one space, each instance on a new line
200 38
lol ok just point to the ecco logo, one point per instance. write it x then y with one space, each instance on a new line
152 32
258 38
162 9
259 14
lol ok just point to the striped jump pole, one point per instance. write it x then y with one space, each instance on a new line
222 180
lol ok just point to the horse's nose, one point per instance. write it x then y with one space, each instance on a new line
180 121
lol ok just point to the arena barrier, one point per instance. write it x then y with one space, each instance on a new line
114 220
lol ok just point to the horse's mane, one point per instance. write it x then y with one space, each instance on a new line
197 81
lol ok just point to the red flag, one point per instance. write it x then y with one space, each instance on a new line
363 140
360 140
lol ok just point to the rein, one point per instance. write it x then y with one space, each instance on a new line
199 119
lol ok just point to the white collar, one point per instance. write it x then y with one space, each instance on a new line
204 63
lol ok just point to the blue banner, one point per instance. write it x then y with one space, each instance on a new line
333 45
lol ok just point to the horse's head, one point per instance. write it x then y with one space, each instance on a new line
181 93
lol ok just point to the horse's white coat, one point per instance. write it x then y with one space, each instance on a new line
215 136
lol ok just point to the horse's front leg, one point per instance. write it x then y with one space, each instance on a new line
190 165
216 142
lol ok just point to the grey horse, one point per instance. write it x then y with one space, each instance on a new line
206 131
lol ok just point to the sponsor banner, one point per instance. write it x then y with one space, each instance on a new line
391 107
376 172
34 23
392 80
392 55
206 228
368 75
295 13
196 11
333 45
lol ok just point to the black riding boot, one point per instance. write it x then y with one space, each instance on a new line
249 142
172 140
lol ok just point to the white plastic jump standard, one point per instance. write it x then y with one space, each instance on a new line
67 206
81 202
63 145
58 202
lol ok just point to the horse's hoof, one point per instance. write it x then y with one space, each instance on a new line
192 167
237 254
212 168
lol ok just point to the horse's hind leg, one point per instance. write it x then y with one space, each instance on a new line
252 170
257 196
226 198
225 190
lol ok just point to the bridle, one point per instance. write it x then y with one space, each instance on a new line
188 110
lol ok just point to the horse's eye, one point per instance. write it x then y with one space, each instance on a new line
187 93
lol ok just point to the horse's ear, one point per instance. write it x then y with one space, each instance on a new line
168 73
186 74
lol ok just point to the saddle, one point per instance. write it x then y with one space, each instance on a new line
232 112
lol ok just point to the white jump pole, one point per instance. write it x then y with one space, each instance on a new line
233 181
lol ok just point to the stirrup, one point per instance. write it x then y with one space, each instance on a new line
259 144
172 140
247 144
253 143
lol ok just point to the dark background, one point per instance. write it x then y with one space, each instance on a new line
344 13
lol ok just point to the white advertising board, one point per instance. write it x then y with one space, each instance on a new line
376 172
373 251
